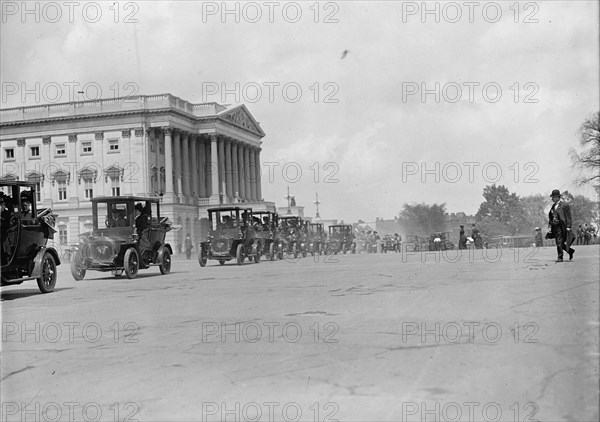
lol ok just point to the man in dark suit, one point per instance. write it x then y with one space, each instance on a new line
559 222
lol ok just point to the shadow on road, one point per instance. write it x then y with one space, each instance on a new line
23 293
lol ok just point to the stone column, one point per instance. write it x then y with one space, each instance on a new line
241 175
252 173
228 170
194 173
177 161
247 173
258 175
185 158
214 159
168 193
234 168
46 184
222 183
209 170
202 168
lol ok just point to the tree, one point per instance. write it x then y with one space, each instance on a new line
501 212
583 210
534 212
588 160
423 219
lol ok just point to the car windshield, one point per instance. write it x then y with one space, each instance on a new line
226 219
114 214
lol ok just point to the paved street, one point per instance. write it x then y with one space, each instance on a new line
363 337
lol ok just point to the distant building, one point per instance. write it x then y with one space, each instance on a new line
192 156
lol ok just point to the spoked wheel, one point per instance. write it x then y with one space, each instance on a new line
131 261
272 252
47 281
77 272
239 254
165 266
257 254
203 259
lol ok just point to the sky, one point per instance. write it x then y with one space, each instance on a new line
369 104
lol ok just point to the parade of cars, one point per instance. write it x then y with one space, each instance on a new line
128 234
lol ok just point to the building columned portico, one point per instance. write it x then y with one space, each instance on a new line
193 156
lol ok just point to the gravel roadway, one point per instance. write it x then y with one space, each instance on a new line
394 336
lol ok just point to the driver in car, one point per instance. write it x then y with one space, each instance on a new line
141 224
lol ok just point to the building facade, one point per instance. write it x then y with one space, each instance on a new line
192 156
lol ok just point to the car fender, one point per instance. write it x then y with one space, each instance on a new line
161 251
37 261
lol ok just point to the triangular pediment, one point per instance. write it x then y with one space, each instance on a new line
241 117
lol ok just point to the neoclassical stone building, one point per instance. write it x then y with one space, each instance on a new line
192 156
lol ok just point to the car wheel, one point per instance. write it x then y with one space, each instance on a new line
203 259
239 254
77 272
165 267
47 281
131 261
272 252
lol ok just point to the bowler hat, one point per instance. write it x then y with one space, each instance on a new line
555 192
139 207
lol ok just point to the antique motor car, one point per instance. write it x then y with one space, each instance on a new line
25 231
389 243
439 241
291 239
416 243
341 239
231 235
120 241
316 238
265 231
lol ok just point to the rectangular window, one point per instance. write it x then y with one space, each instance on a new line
61 150
9 153
113 145
86 147
161 147
38 193
62 235
152 147
89 188
62 190
115 186
34 151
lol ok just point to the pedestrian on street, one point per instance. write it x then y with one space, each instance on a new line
539 240
587 234
476 237
462 240
559 222
579 240
188 246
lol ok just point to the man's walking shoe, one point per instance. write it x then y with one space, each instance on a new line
571 253
559 260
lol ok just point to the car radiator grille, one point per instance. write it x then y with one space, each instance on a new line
220 245
101 251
